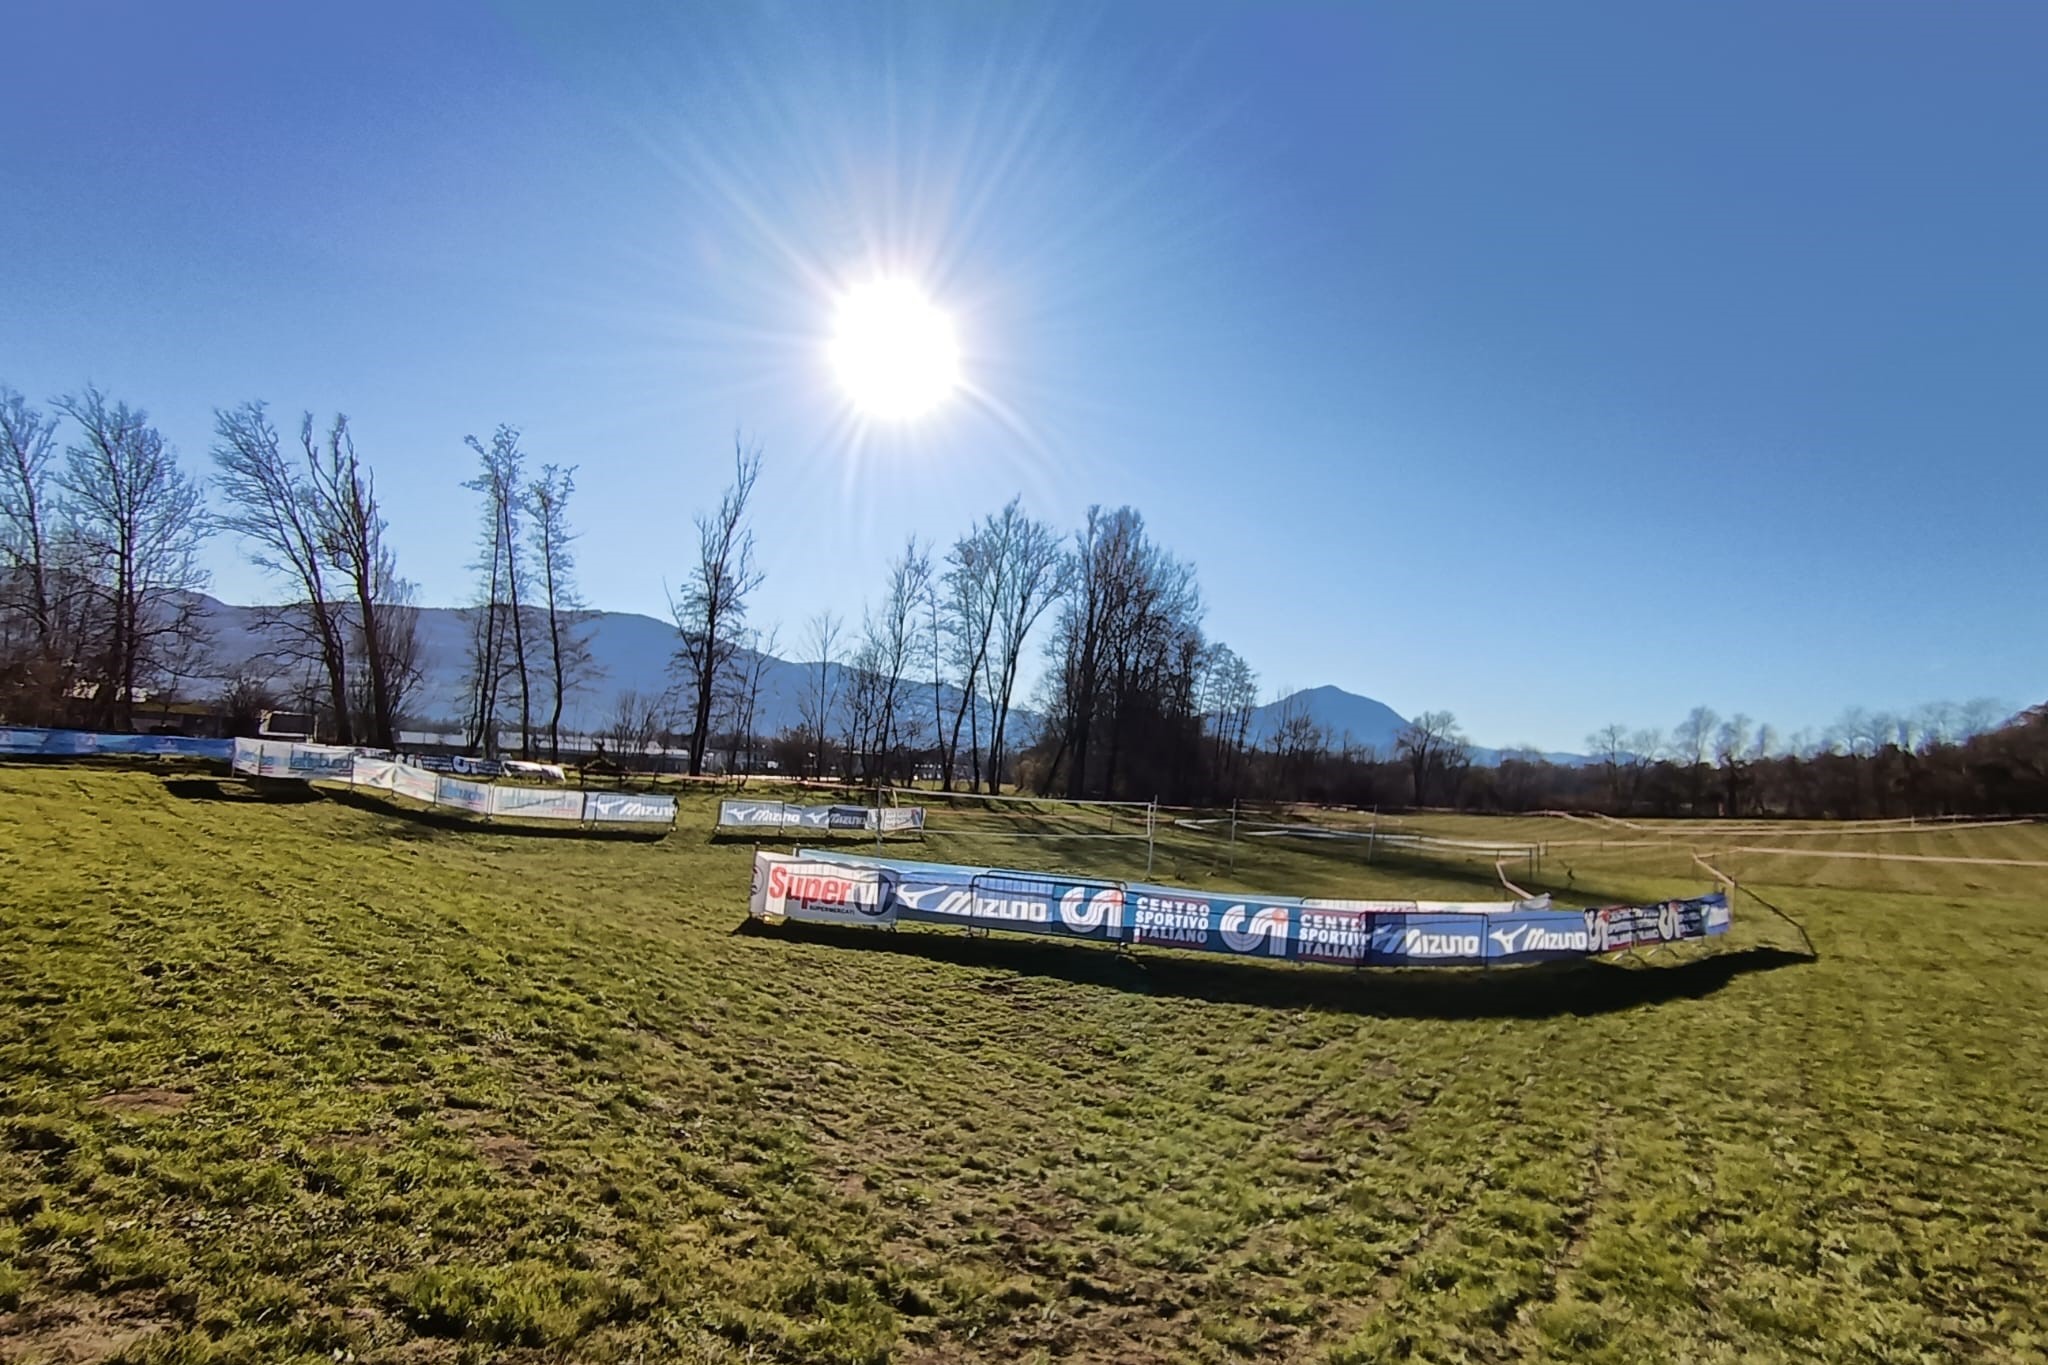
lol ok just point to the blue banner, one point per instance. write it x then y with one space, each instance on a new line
87 743
1284 928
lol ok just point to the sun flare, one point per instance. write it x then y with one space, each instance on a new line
893 350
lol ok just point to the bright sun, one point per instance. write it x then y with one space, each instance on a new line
893 350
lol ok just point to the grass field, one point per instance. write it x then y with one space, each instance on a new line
286 1079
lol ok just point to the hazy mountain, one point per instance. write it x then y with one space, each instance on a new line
1361 721
633 653
1369 724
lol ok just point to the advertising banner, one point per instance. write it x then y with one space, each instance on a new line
787 887
275 759
474 797
417 783
322 762
1612 928
1352 933
380 773
628 808
750 815
25 739
537 803
782 815
56 743
164 746
1173 918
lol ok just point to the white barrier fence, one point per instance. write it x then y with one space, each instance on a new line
783 815
379 772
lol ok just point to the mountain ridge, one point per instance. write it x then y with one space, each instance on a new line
634 651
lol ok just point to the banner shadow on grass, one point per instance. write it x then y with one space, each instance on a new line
256 790
1537 991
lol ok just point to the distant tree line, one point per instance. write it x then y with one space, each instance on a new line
100 530
1135 703
1943 760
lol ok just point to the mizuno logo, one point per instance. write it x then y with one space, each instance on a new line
952 899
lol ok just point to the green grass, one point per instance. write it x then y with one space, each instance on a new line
290 1079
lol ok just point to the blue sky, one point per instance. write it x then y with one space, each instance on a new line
1553 364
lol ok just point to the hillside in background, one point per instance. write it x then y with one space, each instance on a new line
633 651
1340 715
1351 721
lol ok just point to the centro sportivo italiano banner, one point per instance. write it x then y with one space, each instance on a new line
780 815
818 885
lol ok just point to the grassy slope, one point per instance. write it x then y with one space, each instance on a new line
298 1078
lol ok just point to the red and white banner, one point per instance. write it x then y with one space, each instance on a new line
787 887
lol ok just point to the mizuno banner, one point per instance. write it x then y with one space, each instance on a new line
628 808
782 815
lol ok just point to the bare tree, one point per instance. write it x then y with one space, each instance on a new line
1692 740
569 662
1765 744
1230 695
971 590
636 720
244 700
713 605
1431 744
750 672
819 701
1034 575
889 640
139 520
351 529
1731 743
1609 744
39 587
396 651
500 648
276 509
1299 744
1981 715
862 711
